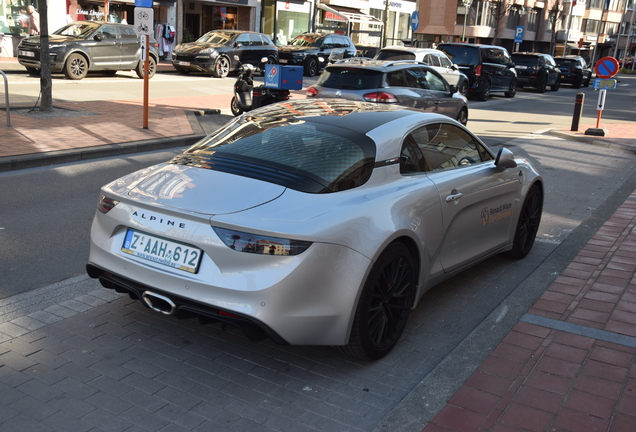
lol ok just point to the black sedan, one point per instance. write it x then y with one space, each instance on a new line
215 52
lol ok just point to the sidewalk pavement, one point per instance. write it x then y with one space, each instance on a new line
569 364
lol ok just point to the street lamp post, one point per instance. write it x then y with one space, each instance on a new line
466 4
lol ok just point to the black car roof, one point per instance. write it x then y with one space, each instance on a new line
359 117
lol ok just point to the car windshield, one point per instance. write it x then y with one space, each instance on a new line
306 40
305 156
79 30
350 78
525 60
461 55
394 55
216 38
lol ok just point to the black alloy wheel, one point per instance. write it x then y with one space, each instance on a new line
463 88
541 84
512 90
528 224
557 85
311 67
384 305
462 117
485 93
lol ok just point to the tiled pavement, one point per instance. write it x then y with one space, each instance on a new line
569 364
97 363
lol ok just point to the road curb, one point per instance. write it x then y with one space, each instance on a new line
589 139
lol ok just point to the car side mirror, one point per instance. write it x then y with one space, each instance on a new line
453 89
97 37
505 159
454 67
237 44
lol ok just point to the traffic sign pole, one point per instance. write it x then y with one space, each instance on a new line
605 69
144 24
146 80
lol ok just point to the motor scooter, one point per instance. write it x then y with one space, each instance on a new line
248 97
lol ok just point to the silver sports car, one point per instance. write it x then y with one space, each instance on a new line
314 222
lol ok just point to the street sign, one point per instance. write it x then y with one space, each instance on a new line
604 84
144 20
606 67
519 34
601 100
415 20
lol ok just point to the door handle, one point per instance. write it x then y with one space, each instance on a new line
454 196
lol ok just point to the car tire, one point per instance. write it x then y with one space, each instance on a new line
556 86
485 93
542 84
462 117
235 107
33 71
76 67
311 67
183 71
528 223
221 67
512 90
152 68
384 305
463 88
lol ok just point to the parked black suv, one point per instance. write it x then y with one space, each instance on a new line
537 70
574 70
83 46
488 68
311 50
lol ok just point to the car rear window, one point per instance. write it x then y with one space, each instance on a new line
350 78
525 60
461 55
309 157
394 55
566 62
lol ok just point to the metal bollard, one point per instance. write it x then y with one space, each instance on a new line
578 108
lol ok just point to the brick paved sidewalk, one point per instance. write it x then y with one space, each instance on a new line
569 364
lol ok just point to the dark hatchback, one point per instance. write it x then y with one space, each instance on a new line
574 70
87 46
312 50
537 70
489 68
215 52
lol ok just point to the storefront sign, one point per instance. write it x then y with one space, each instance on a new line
293 7
333 17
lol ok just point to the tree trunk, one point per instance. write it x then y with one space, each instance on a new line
46 84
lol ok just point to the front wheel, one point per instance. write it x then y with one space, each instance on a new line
463 88
384 305
221 67
235 107
556 86
462 117
152 68
512 90
311 67
541 84
76 67
528 224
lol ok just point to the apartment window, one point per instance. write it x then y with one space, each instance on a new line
596 4
590 26
610 28
533 23
514 18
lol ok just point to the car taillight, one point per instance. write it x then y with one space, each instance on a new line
106 204
478 71
380 97
311 92
259 244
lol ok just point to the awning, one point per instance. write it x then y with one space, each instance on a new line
347 15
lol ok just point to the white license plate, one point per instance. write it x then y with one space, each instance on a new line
182 63
282 60
156 249
521 67
27 53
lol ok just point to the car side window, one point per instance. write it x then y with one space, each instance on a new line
266 40
415 78
255 39
431 59
329 42
395 78
108 32
127 33
445 61
444 146
435 82
243 39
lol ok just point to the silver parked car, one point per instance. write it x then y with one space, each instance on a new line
314 222
432 57
404 82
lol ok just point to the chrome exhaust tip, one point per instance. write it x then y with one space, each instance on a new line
159 303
